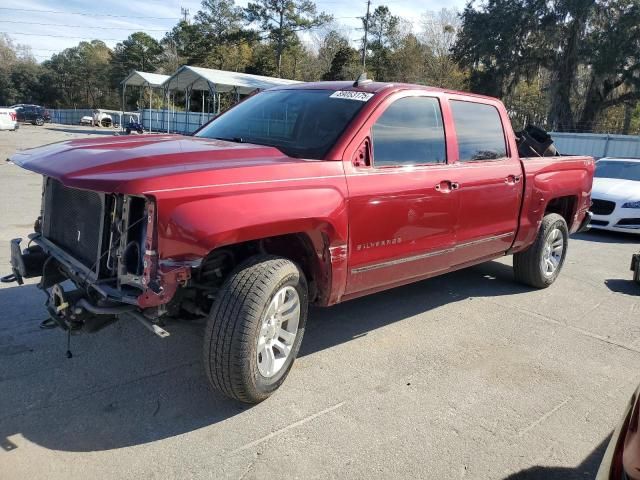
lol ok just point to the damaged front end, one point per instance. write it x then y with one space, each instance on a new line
106 245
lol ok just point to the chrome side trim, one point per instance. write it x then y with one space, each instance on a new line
484 240
414 258
399 261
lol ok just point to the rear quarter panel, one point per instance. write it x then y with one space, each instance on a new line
548 178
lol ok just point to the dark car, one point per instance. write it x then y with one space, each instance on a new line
621 460
34 114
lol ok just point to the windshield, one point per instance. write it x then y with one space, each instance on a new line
301 123
620 170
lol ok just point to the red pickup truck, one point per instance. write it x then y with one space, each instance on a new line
307 194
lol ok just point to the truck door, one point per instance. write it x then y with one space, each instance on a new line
490 183
402 204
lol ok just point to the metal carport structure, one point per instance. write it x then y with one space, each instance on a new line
145 80
188 79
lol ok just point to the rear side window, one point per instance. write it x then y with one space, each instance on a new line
409 132
479 131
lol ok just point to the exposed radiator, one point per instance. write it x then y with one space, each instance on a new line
73 220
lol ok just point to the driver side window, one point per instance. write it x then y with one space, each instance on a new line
409 132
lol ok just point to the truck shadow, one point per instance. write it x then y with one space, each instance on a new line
344 322
125 388
587 469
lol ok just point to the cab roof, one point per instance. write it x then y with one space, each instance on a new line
372 87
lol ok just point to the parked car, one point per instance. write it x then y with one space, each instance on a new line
616 195
306 194
102 119
34 114
8 119
621 460
87 120
134 126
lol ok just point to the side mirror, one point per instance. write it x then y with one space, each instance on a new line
362 156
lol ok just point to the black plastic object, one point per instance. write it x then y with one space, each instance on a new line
535 142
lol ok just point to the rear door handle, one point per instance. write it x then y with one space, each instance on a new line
446 186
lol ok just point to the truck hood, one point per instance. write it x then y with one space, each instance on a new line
615 189
135 164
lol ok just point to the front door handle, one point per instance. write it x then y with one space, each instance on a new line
512 179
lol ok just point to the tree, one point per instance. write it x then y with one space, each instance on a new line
587 50
95 67
19 73
612 50
332 43
138 52
501 42
439 34
384 31
407 63
344 65
219 19
282 19
572 18
183 45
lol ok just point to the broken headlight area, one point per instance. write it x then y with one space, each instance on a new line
105 245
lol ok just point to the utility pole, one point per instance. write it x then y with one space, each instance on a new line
185 14
366 31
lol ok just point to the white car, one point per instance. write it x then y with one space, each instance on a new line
616 195
8 119
86 120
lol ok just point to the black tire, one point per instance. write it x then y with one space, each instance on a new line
128 130
635 266
39 121
527 265
234 323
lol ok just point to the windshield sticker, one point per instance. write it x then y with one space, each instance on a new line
351 95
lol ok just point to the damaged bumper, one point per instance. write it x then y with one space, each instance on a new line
586 221
94 303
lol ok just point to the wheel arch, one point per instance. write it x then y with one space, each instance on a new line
565 206
311 250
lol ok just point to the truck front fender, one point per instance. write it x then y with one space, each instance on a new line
191 227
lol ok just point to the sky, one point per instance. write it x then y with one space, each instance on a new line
51 26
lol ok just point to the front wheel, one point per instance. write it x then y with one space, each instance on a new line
39 121
541 263
255 328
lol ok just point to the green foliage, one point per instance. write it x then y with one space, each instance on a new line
586 52
282 19
138 52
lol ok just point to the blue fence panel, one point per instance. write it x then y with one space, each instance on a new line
174 121
597 145
69 116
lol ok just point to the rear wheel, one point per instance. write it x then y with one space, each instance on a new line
541 263
39 121
255 328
